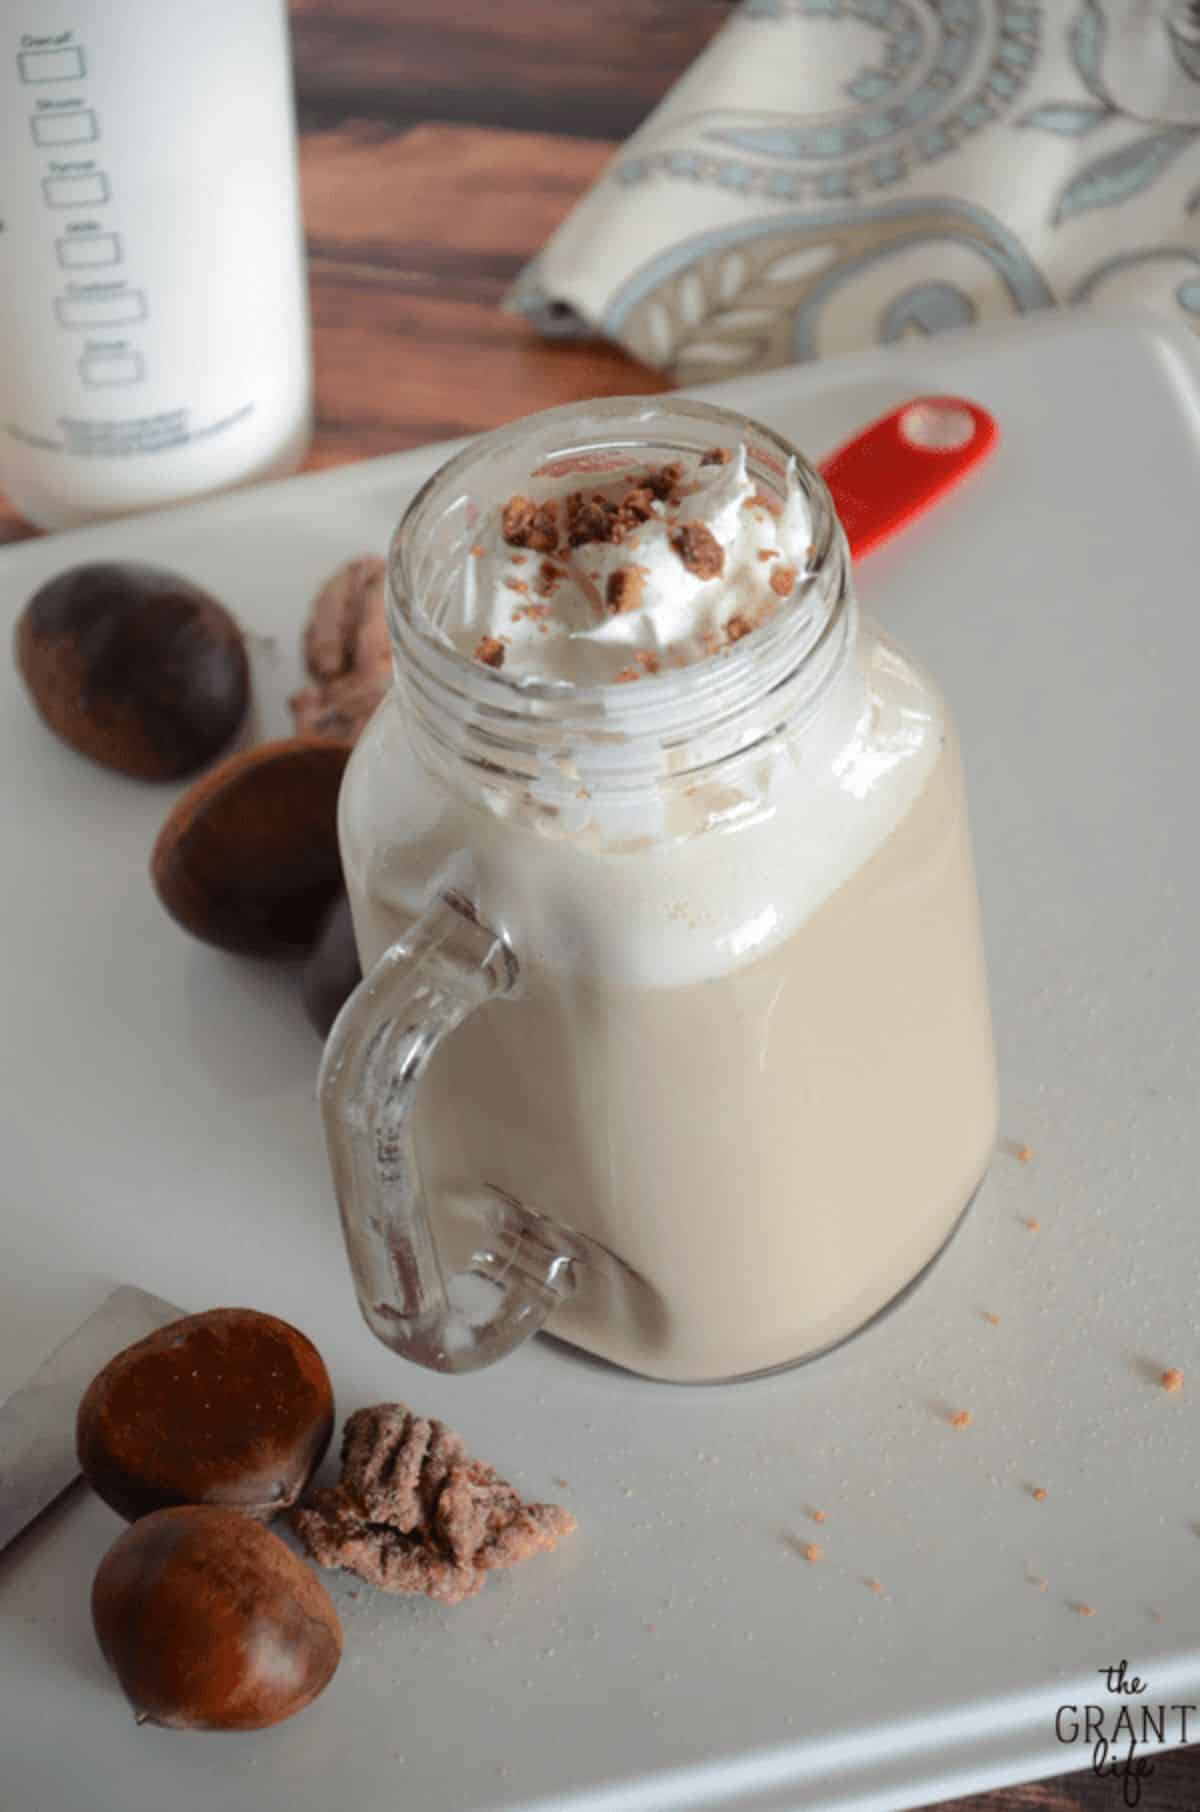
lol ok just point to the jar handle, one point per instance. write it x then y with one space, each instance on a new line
422 988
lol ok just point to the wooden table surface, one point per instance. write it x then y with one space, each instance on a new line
442 141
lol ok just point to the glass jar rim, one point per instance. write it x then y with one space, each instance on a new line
576 428
576 746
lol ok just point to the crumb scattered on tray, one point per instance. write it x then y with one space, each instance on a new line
813 1552
993 1319
412 1512
818 1516
1038 1494
961 1418
873 1585
1084 1610
1172 1378
1033 1224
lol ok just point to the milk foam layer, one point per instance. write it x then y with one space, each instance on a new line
550 611
674 909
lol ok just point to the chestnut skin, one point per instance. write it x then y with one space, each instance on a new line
210 1623
248 859
231 1408
134 667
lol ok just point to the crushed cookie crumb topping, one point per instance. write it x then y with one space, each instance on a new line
490 650
624 590
589 520
548 577
699 550
524 523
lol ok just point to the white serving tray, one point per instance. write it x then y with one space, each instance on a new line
679 1653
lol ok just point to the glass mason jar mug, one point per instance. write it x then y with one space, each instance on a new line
674 1033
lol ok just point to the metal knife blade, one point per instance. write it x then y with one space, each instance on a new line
37 1423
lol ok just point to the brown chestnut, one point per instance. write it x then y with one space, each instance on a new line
211 1623
248 859
135 667
231 1408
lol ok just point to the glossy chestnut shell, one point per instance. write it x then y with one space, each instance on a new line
232 1408
210 1623
248 859
135 667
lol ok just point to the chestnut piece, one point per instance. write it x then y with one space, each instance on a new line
333 971
135 667
248 859
230 1408
211 1623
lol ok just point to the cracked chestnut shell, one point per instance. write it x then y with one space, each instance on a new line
230 1408
248 858
134 667
211 1623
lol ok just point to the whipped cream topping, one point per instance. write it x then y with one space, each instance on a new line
599 577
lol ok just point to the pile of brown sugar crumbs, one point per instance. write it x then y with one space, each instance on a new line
412 1512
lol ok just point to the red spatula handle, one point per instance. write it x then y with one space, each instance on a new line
904 462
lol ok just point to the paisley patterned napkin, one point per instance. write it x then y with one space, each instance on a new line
831 173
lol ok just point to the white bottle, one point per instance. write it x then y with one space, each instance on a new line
153 304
